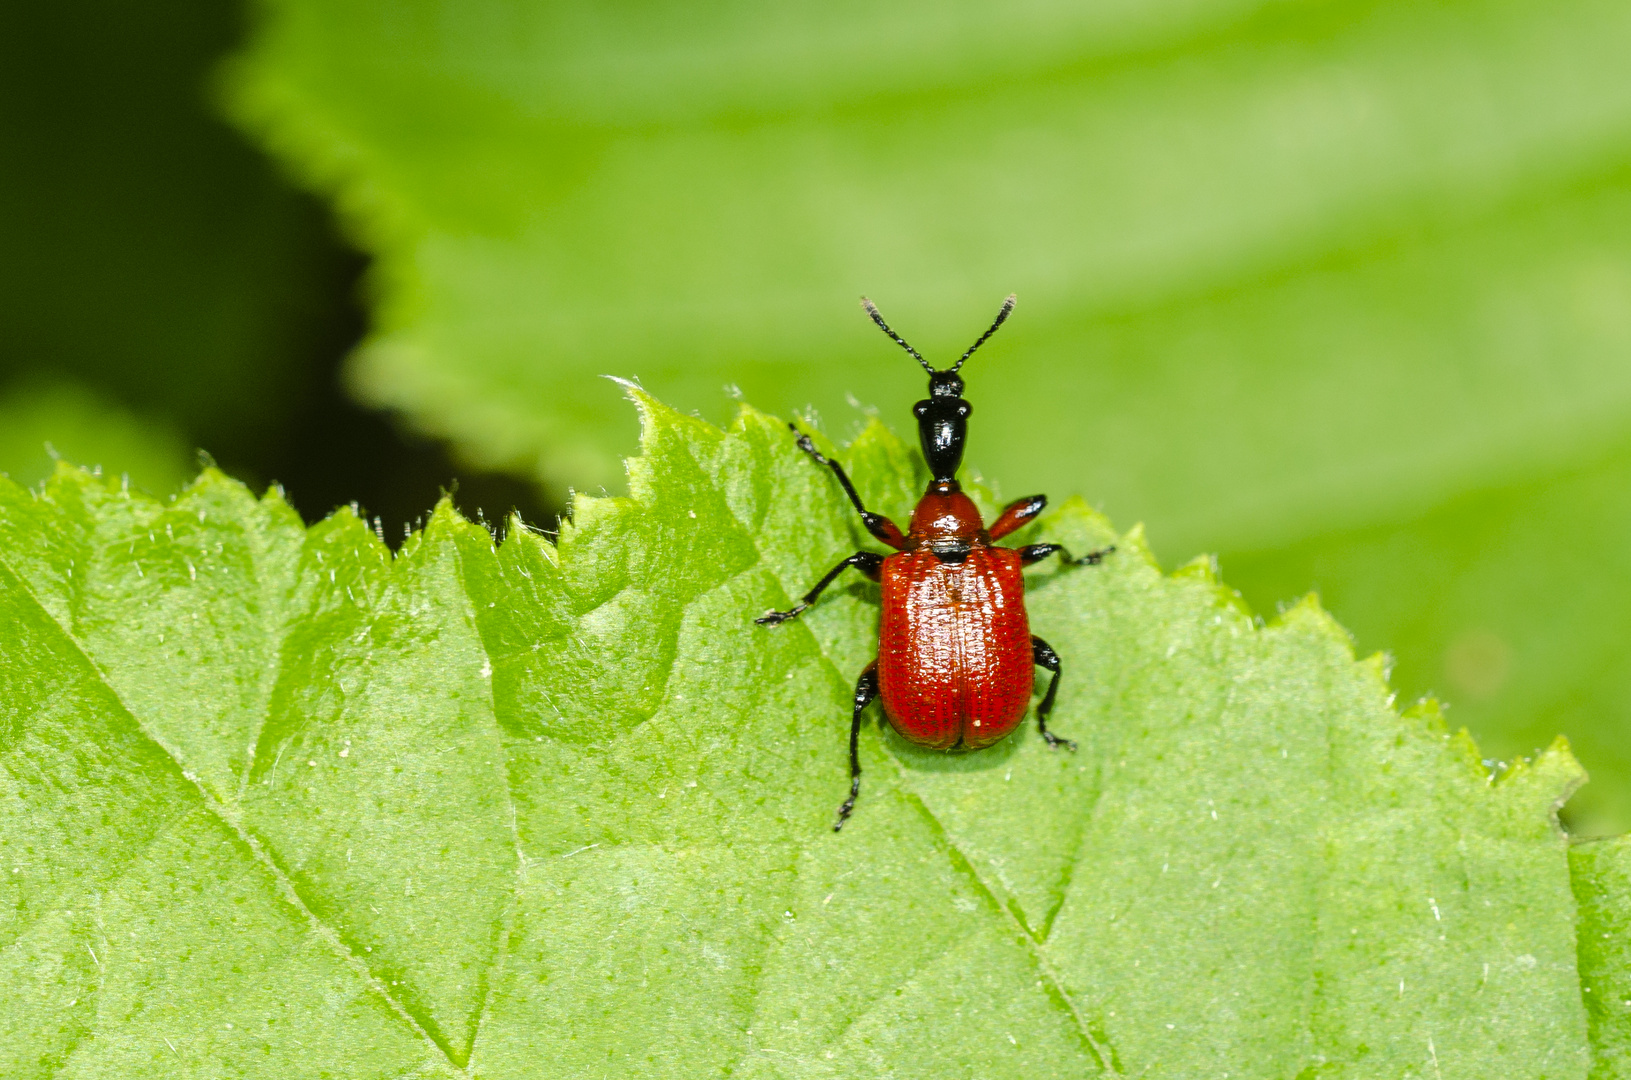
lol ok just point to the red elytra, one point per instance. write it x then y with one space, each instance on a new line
954 648
956 656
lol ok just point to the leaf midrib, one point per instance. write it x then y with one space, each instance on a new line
233 822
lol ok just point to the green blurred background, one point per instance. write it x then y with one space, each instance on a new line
165 289
1340 290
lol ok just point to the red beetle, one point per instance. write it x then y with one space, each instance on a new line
956 655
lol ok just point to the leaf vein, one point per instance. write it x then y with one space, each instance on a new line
286 888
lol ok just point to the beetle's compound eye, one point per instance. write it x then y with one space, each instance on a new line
964 408
919 409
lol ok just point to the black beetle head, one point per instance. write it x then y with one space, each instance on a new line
942 419
945 384
942 428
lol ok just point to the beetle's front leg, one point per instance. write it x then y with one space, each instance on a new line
1017 513
867 562
1034 552
876 524
866 688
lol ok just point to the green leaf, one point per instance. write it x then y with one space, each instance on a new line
1292 274
276 802
1602 884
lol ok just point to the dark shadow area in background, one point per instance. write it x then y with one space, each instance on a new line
153 256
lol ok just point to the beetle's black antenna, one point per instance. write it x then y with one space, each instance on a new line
872 310
1007 306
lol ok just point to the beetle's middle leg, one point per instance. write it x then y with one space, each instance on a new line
1044 656
866 688
869 563
1031 553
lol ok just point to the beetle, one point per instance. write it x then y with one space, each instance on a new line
956 657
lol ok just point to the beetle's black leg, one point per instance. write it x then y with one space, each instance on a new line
1031 553
866 688
1044 656
876 524
867 562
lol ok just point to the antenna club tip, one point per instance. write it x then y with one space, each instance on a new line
1002 316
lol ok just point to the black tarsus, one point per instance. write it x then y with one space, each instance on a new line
866 688
876 524
1043 655
867 562
1031 553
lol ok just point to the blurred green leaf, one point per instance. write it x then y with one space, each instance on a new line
275 803
39 424
1286 269
152 255
1246 237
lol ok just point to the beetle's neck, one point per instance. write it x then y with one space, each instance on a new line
945 513
942 429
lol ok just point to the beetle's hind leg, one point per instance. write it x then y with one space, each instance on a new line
869 563
1044 656
866 688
